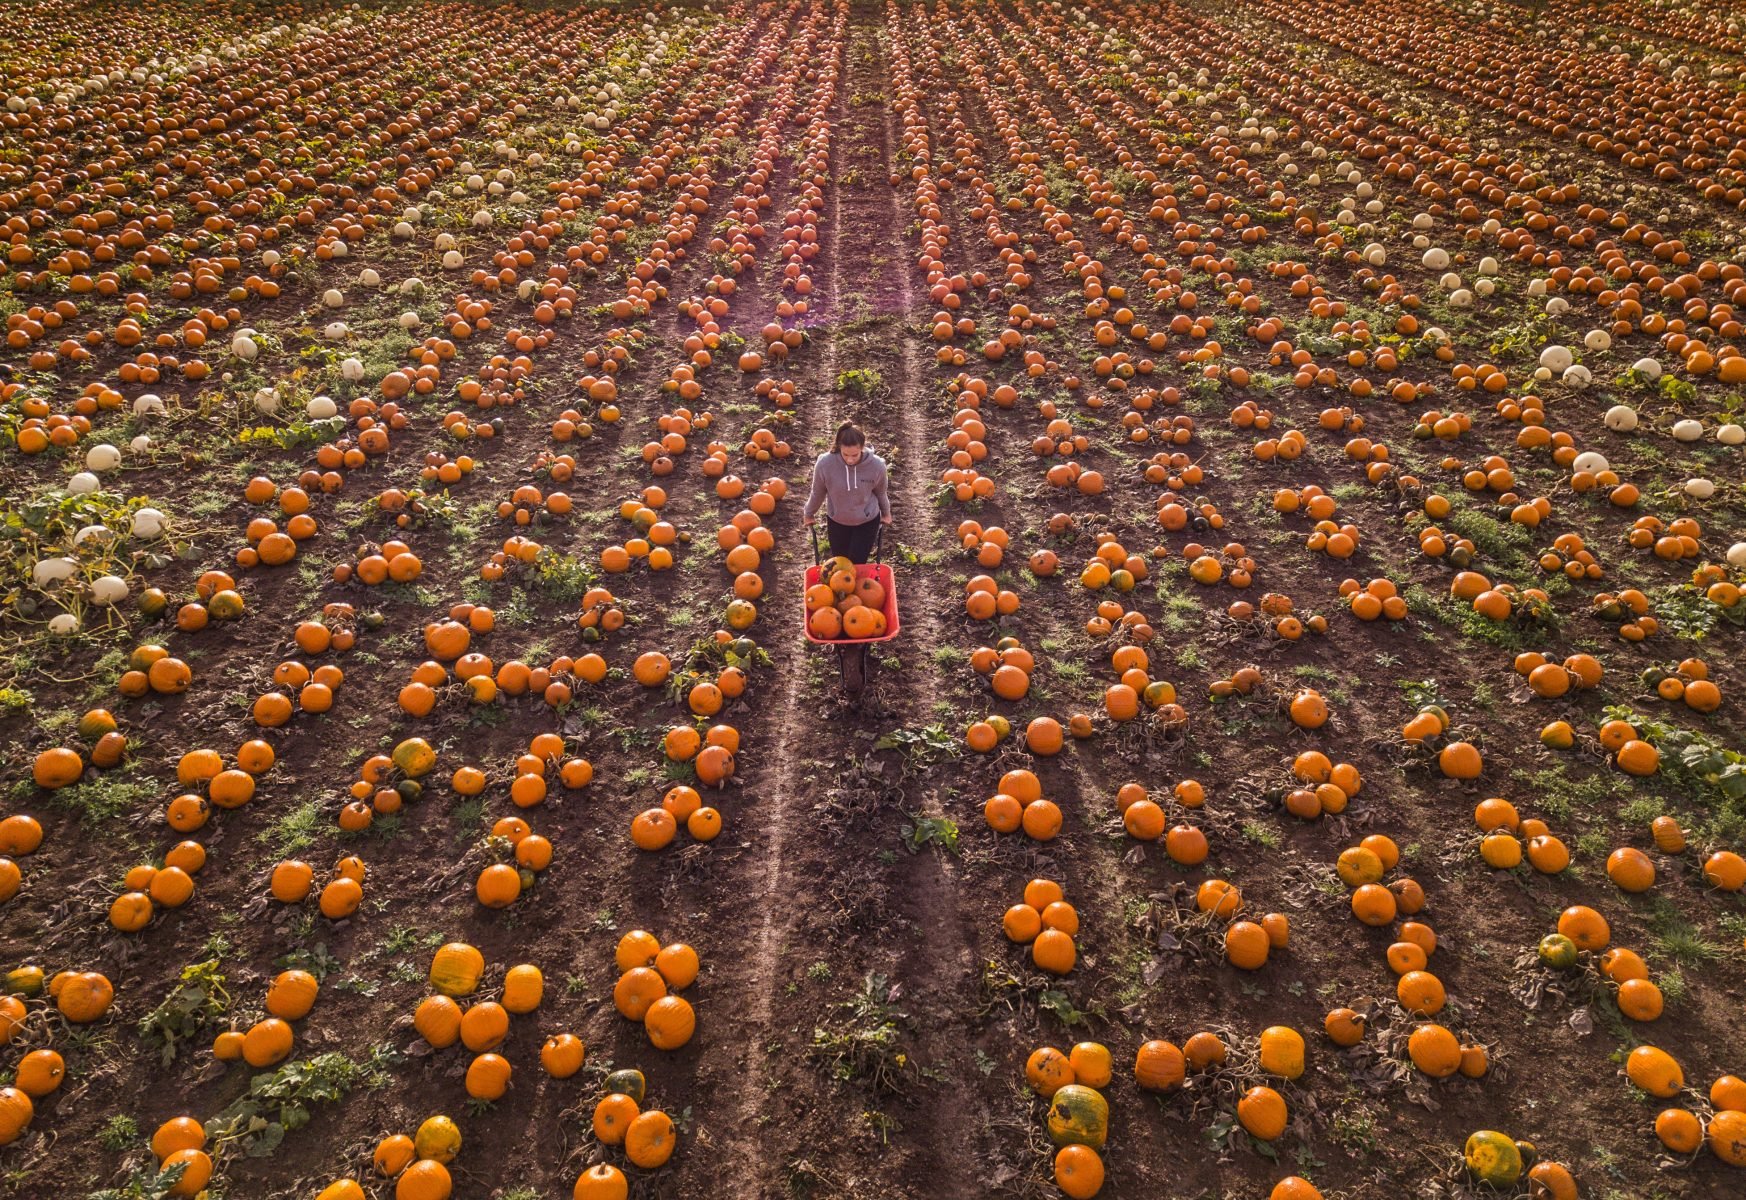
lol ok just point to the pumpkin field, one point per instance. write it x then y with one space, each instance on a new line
1302 749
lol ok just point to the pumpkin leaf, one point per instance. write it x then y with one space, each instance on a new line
195 1004
930 831
1060 1005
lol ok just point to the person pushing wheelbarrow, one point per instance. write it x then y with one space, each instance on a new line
849 603
849 482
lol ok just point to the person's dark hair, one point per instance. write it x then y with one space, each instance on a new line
848 434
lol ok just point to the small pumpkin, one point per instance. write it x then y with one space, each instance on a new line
650 1140
1493 1157
1078 1115
455 969
602 1181
562 1055
1159 1066
437 1139
84 997
626 1081
16 1113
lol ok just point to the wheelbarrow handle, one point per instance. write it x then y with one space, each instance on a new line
812 528
879 542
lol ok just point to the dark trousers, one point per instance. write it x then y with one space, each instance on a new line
853 542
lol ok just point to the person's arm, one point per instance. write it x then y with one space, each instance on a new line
880 490
816 498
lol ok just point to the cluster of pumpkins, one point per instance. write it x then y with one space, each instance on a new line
650 977
1047 923
417 1164
845 604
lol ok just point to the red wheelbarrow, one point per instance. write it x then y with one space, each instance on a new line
852 652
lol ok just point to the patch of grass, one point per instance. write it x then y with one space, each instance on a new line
1560 797
1068 672
1262 835
120 1132
948 657
468 815
1354 1129
105 797
1676 938
1672 985
293 831
1504 542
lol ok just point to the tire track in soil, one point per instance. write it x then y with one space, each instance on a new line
783 809
927 885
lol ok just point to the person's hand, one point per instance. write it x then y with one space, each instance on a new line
885 520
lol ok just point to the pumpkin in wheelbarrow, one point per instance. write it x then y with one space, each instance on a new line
863 622
839 575
826 623
870 592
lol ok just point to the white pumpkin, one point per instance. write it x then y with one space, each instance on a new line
52 570
1731 434
1699 488
1648 368
267 401
1435 259
63 625
1576 376
103 457
141 443
83 484
1737 555
370 277
109 589
149 523
320 408
1555 357
1590 461
149 404
333 298
1621 418
351 370
1597 340
1688 430
245 347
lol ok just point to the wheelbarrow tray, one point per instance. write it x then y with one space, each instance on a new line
887 580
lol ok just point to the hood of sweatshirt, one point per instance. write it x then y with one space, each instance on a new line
853 469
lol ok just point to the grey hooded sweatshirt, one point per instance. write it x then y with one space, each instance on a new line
854 494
